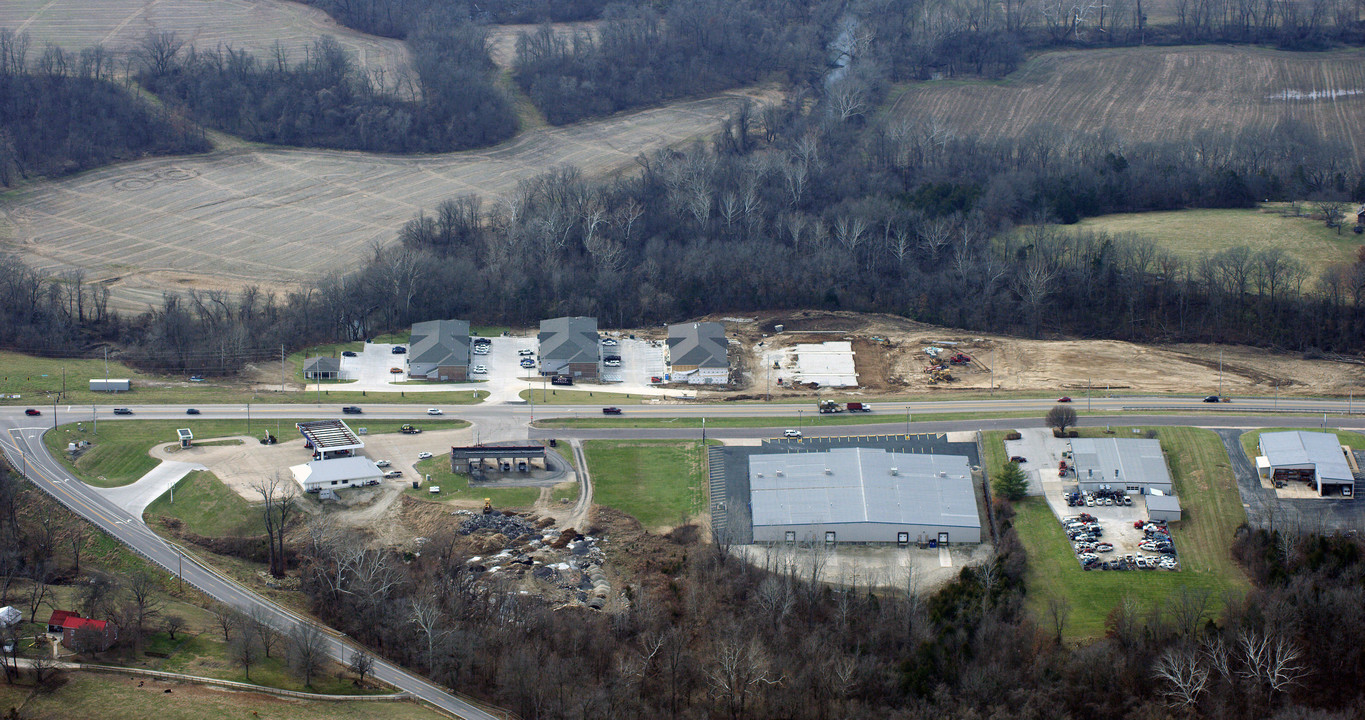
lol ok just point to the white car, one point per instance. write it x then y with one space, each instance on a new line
424 455
480 349
526 352
381 463
480 370
791 433
434 411
608 342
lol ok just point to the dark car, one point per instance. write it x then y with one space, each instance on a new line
348 353
351 410
1063 399
398 350
122 411
1018 459
33 411
1212 399
611 411
192 411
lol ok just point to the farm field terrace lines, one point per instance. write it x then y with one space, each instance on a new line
281 216
254 25
1155 93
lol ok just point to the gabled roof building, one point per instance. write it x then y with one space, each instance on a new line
569 346
439 350
698 353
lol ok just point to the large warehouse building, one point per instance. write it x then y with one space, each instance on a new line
1134 465
1312 457
862 495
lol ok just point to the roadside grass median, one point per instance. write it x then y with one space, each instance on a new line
661 483
1212 510
557 395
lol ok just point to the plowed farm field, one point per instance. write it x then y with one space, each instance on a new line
279 216
254 25
1152 93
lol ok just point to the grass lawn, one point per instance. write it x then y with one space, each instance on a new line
1194 233
118 454
456 487
298 359
36 379
1212 508
118 697
565 491
559 396
1251 439
661 483
207 507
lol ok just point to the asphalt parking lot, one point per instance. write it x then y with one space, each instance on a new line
1117 524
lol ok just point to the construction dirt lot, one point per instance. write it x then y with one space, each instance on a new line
889 353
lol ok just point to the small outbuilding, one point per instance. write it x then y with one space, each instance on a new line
1165 508
186 437
698 353
322 368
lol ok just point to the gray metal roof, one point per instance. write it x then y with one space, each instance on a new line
330 435
795 489
1319 449
439 343
322 364
1164 503
1136 460
351 468
569 340
700 344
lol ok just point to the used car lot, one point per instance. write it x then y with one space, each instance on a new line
1137 545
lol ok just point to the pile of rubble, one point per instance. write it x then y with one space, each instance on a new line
560 565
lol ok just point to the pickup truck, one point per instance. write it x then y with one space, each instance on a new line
611 411
351 410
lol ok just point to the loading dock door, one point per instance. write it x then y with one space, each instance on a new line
942 539
791 536
829 537
902 538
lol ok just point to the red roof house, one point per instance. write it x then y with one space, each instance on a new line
54 624
73 624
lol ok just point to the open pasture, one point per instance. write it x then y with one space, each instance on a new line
254 25
278 216
1155 93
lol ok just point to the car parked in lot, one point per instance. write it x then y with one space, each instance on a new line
424 455
612 363
348 353
381 463
398 350
395 370
33 411
1018 459
479 369
480 349
526 352
122 411
393 474
791 433
609 342
528 363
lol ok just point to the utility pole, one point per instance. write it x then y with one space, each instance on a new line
248 418
1087 394
63 381
281 368
907 419
95 418
992 372
106 366
54 411
1220 375
1277 393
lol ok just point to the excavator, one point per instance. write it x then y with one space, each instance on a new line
487 506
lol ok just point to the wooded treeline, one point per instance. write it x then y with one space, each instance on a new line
60 113
324 99
702 635
401 18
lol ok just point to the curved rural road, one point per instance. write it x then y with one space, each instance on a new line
23 447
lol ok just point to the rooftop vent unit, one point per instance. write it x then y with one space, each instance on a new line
943 473
778 473
828 471
895 471
758 474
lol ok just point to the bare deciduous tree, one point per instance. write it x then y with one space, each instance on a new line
1186 677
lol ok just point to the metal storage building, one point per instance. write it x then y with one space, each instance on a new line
862 495
439 350
1131 464
1163 507
1313 457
